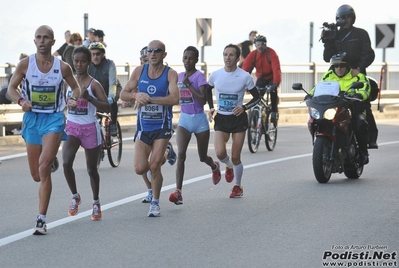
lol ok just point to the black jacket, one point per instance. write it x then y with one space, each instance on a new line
357 45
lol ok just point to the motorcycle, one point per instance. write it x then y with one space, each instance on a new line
335 148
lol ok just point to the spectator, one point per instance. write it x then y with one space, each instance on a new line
99 37
74 41
246 47
5 99
89 37
61 50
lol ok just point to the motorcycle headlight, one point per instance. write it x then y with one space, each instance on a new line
314 113
330 113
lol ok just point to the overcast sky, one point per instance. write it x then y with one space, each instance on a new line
129 26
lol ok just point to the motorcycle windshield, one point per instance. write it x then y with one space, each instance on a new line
330 88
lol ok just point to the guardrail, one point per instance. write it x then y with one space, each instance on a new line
10 115
306 73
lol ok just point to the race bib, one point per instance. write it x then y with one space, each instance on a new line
82 107
152 112
227 102
43 98
186 97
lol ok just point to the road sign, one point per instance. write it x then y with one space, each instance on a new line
385 35
204 32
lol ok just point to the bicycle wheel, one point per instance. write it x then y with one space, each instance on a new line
114 149
271 132
253 132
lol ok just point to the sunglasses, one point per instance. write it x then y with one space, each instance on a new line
258 44
96 53
339 65
155 50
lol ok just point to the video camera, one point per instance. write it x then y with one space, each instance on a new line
330 29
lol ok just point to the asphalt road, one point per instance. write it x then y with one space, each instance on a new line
285 218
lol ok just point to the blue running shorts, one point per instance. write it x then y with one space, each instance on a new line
194 123
36 125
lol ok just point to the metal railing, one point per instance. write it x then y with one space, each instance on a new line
307 73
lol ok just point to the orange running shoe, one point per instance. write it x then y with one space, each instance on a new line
96 214
74 206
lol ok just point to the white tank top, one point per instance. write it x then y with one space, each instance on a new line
85 112
44 90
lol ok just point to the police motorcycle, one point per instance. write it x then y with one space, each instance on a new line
335 148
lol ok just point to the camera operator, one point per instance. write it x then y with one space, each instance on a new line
355 42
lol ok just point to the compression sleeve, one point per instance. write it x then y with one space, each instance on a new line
209 96
255 98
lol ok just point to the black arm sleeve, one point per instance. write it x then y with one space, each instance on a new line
209 96
255 98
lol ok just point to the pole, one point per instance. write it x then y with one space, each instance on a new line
384 82
85 23
311 44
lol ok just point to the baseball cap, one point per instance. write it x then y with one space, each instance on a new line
91 30
99 33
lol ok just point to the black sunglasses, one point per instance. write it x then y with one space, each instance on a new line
156 50
340 65
96 53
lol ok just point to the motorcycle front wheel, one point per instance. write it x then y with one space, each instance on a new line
322 165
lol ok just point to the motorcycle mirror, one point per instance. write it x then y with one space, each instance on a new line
297 86
357 85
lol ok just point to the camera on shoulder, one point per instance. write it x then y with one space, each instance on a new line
329 31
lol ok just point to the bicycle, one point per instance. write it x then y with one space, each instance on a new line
260 124
110 144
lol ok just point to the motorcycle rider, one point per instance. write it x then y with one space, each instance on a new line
267 64
355 42
341 72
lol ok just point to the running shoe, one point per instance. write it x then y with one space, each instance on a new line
148 198
237 191
171 154
216 174
40 228
229 174
176 197
96 213
155 210
74 206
